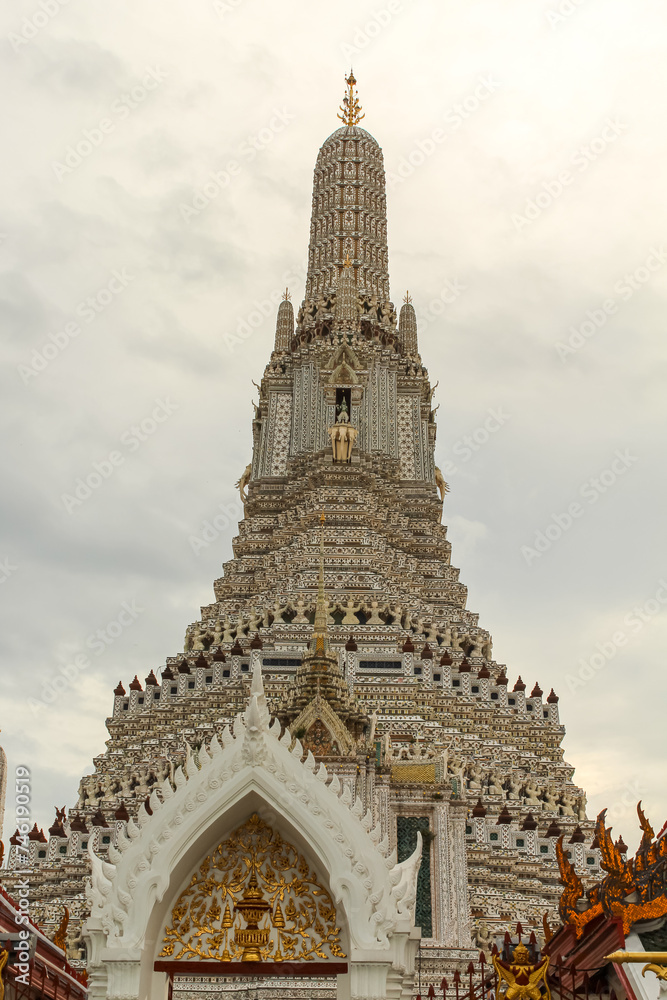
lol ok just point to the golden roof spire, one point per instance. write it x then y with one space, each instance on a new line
408 298
320 627
286 295
350 107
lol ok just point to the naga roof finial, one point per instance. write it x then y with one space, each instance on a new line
352 113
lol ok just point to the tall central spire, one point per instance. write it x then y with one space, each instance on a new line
349 219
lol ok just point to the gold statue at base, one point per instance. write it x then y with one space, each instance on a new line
522 979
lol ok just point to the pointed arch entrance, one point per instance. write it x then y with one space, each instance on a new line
250 792
255 898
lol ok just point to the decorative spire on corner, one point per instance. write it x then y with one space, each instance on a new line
352 113
258 698
286 295
407 327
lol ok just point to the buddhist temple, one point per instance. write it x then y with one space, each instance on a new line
334 788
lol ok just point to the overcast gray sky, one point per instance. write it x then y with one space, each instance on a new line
157 183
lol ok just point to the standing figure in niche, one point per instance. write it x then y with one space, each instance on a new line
343 414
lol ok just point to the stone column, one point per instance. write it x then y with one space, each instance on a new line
460 905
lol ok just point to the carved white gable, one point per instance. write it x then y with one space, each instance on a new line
247 770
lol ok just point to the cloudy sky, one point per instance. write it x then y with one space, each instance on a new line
157 183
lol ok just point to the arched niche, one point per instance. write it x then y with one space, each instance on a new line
251 810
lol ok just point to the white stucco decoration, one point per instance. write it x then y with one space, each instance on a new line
250 770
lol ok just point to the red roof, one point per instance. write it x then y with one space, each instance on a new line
51 974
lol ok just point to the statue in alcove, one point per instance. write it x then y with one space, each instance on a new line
343 414
342 434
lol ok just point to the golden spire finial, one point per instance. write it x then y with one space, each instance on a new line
408 298
286 295
347 262
350 107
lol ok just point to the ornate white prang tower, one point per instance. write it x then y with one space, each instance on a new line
402 698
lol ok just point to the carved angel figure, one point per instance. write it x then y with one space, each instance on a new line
483 938
93 791
568 804
300 609
374 618
456 767
431 633
551 799
350 617
514 788
475 777
532 793
197 643
278 610
495 785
